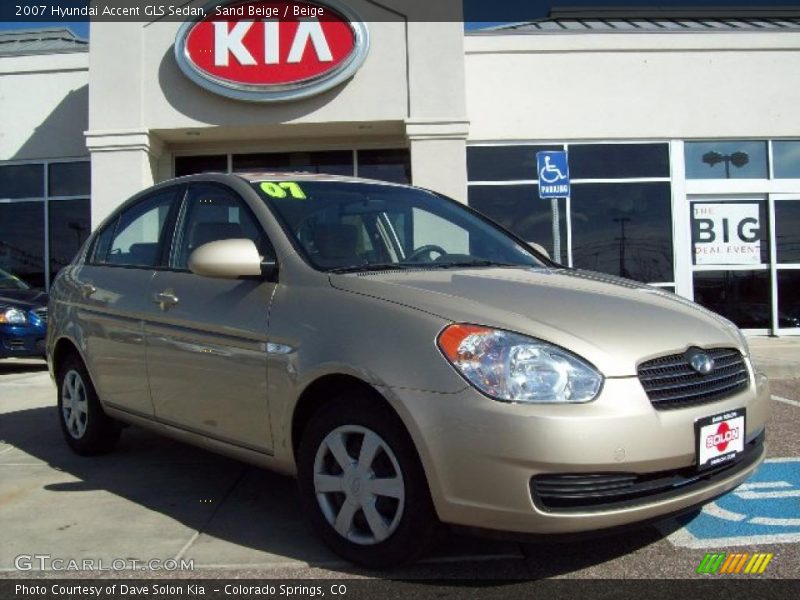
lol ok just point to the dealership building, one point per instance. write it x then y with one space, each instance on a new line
681 132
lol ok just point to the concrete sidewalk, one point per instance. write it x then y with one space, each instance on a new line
779 357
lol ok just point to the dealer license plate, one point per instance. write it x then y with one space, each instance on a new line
720 438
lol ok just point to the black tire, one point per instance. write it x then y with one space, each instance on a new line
414 529
90 432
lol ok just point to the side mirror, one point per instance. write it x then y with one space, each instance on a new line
539 248
229 259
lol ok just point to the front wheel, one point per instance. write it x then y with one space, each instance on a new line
86 428
362 484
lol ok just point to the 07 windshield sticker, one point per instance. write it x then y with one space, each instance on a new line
283 189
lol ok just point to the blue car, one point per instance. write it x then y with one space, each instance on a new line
23 318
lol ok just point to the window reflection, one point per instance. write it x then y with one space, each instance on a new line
618 161
337 162
519 209
70 225
21 181
787 231
385 165
69 179
741 296
624 229
191 165
22 241
504 163
726 160
786 159
789 298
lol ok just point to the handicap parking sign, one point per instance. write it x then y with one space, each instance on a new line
763 510
553 169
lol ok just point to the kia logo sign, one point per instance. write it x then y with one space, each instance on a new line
264 51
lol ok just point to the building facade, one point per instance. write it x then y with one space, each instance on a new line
682 137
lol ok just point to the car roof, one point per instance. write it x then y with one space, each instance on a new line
256 176
253 176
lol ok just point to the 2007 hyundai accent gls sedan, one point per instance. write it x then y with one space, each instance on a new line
409 360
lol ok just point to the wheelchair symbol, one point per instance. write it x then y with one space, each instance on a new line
550 173
764 510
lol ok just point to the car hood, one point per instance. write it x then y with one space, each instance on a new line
612 322
26 299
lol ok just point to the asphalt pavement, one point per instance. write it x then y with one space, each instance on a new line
155 498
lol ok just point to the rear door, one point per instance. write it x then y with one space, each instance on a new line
206 346
113 287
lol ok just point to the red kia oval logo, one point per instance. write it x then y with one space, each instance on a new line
265 51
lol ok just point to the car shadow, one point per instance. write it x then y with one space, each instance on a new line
252 516
19 366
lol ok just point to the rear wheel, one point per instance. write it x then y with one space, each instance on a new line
362 484
86 428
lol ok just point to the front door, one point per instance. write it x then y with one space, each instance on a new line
206 344
731 260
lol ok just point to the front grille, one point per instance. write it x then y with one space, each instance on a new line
41 314
15 344
574 492
671 382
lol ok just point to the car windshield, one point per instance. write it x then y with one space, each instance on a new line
352 226
11 282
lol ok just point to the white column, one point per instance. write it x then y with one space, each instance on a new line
439 155
123 163
681 223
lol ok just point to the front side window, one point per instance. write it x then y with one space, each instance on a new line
138 235
358 226
214 213
9 281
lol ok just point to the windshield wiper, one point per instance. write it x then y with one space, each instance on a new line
372 267
470 263
423 265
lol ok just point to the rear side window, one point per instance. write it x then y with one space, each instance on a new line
212 213
136 241
103 243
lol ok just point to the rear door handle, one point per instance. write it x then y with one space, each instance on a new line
165 299
87 289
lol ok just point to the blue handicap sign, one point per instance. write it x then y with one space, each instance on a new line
763 510
553 170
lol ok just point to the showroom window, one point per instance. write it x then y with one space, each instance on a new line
393 164
745 237
45 217
618 218
786 159
191 165
726 160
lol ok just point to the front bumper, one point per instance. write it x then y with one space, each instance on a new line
480 455
22 341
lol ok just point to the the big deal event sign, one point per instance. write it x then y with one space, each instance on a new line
726 234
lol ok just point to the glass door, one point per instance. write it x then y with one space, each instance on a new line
786 270
731 266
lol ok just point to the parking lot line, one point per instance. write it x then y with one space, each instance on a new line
786 400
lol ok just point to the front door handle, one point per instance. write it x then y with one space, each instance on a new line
165 299
87 289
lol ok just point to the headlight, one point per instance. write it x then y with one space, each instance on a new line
13 316
515 368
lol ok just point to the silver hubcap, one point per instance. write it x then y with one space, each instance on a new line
359 484
74 406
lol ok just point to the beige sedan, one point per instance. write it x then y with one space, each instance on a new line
410 361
